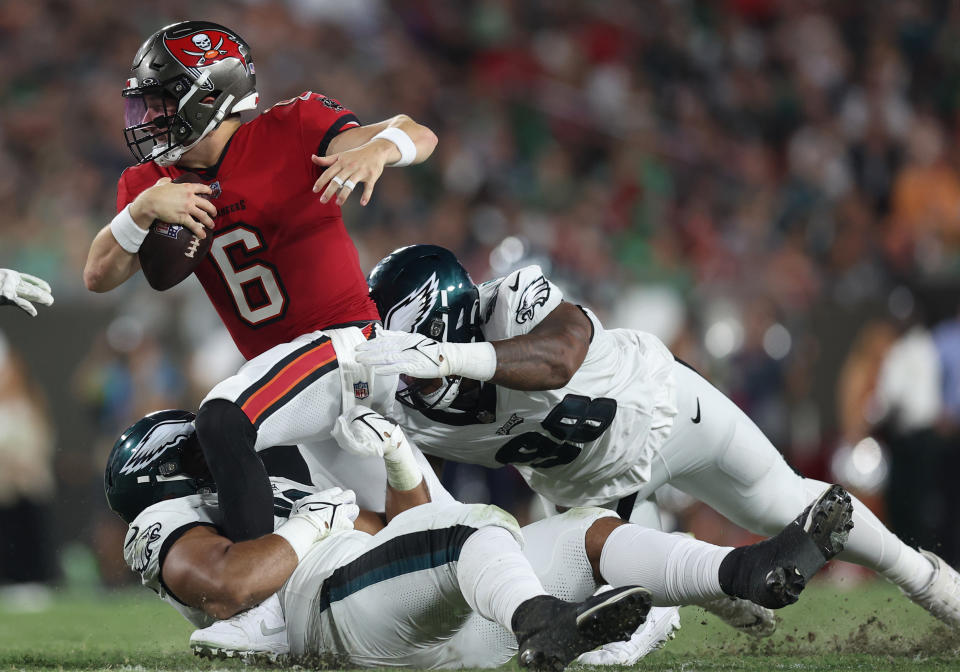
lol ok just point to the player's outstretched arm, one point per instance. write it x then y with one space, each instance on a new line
543 359
206 570
23 290
360 154
112 258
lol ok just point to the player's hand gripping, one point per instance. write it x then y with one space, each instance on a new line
364 432
328 511
175 203
394 352
20 289
344 171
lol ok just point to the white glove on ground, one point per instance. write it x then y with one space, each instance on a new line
21 288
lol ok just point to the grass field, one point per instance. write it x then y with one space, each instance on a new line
868 628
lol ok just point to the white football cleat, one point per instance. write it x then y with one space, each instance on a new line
941 597
743 615
257 632
661 626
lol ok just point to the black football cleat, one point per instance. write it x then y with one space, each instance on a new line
551 633
774 572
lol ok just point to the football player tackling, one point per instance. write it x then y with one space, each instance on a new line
510 373
441 585
281 265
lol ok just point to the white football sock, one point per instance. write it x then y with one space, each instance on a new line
495 577
675 568
911 571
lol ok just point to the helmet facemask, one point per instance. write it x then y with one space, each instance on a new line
450 394
148 140
411 392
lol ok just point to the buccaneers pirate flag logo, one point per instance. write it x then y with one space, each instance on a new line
206 47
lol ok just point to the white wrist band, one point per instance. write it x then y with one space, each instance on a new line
476 361
403 472
127 233
408 150
300 533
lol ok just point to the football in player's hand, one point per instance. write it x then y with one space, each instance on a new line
170 252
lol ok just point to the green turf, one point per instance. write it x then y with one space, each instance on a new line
868 628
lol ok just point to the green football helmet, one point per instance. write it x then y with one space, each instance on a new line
156 458
424 289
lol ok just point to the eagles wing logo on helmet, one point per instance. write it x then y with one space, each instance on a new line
535 294
414 308
164 435
205 48
142 549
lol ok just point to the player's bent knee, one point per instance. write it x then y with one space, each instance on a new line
557 550
223 426
487 515
218 415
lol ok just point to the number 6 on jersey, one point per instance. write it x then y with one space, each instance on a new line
256 289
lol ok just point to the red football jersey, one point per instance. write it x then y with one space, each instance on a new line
281 263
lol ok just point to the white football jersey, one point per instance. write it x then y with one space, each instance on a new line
154 531
587 443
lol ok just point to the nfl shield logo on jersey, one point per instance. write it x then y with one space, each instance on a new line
361 390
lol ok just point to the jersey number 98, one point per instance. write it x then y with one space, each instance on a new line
576 419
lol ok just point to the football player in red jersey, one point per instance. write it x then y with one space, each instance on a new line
281 266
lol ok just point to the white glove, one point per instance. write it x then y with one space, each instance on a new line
415 355
20 289
317 516
401 352
364 432
329 510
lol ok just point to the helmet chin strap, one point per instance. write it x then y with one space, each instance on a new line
168 158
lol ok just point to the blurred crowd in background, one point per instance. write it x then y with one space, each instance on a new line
771 186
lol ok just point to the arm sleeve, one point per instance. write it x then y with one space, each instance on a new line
514 305
321 119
